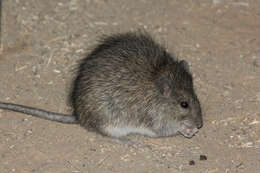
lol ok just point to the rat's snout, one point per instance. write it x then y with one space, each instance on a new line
199 123
197 118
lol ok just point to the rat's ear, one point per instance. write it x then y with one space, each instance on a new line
163 85
185 65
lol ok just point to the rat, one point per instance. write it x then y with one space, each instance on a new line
130 84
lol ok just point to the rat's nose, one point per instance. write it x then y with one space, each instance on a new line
199 123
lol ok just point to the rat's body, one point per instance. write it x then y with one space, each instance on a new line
130 84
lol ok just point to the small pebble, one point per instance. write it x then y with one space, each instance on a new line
203 157
191 162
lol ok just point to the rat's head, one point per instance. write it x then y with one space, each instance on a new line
176 85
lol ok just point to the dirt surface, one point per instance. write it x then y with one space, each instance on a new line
43 40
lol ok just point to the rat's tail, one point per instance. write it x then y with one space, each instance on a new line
62 118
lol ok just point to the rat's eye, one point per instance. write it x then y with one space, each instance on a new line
184 104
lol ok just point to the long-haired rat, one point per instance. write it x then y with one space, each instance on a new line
130 84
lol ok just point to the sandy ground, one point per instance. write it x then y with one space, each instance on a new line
43 40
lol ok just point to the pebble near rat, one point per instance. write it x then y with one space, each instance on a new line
130 84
